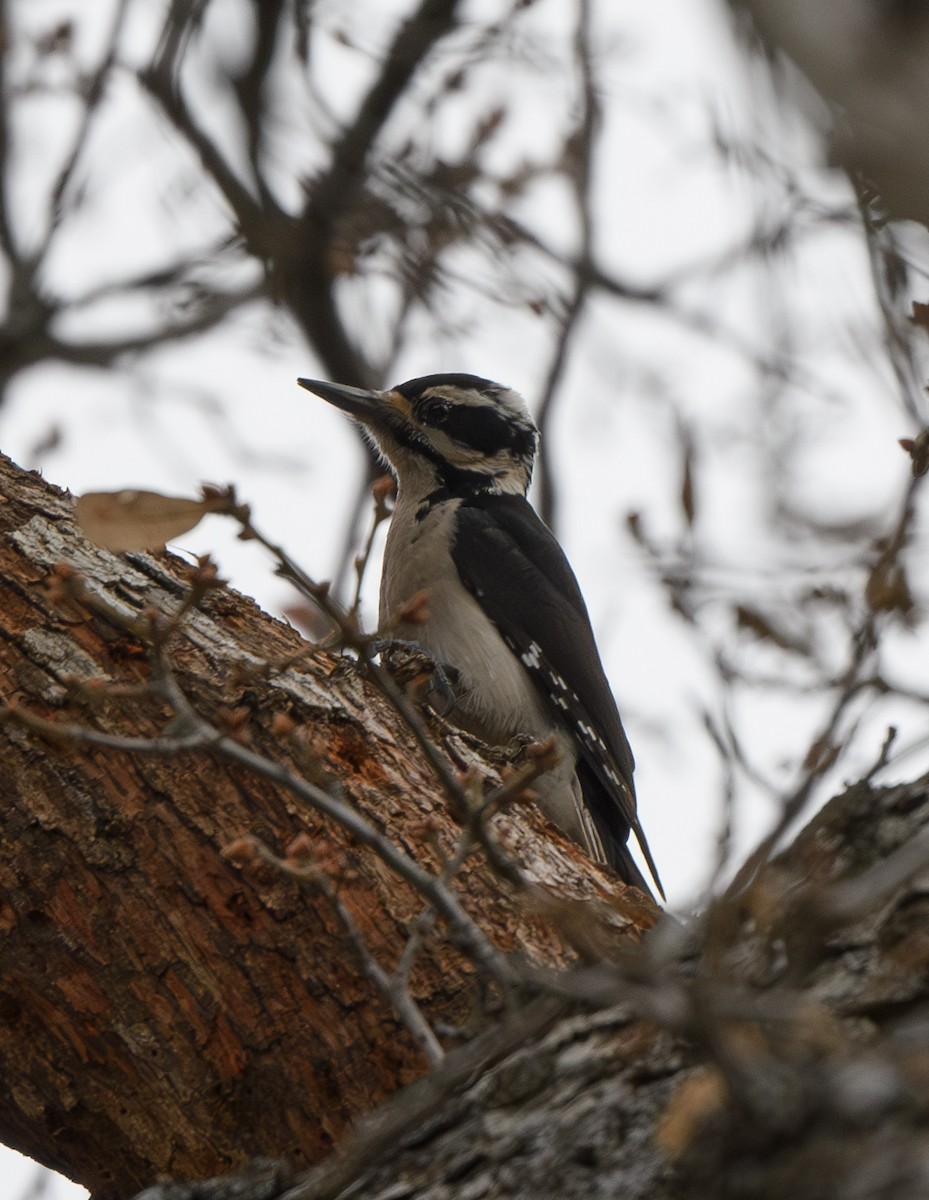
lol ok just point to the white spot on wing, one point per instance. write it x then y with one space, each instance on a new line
532 657
576 719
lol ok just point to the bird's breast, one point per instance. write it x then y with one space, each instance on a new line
496 697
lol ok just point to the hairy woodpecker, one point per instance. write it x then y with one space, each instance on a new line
505 615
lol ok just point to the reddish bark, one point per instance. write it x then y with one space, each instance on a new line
167 1009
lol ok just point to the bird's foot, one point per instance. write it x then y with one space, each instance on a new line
414 668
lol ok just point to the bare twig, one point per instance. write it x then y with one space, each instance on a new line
725 834
884 756
583 147
252 84
208 313
381 489
857 675
415 39
423 925
7 236
160 79
90 96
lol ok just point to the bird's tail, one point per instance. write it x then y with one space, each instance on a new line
613 832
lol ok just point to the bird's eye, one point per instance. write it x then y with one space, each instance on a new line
435 412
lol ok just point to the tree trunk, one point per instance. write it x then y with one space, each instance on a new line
173 1001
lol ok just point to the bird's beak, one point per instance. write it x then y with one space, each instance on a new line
357 402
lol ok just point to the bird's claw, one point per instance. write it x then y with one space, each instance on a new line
413 666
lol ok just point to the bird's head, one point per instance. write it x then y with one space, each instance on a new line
458 432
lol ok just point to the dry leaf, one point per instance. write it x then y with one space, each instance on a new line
136 520
821 755
920 315
888 589
695 1101
758 624
918 450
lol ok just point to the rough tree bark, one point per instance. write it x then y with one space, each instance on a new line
779 1048
167 1007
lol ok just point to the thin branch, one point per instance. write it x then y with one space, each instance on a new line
583 146
858 674
660 298
250 86
336 189
164 88
91 95
381 489
352 533
178 274
883 757
212 311
898 334
547 504
724 836
7 236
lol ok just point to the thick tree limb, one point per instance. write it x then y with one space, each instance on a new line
183 980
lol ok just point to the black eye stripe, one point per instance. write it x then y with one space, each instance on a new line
475 414
483 428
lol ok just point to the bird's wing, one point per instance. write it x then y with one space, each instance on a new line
512 564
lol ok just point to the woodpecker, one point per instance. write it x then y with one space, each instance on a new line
504 617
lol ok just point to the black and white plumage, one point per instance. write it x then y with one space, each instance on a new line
505 614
